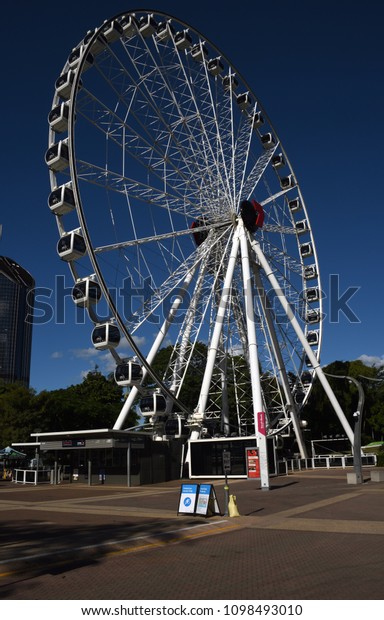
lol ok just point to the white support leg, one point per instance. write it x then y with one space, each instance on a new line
199 413
280 362
187 328
225 426
300 334
258 408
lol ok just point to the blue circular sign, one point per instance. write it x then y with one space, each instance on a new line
187 501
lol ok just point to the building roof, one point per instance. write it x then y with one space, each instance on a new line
13 271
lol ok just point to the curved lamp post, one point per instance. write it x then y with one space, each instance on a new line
358 417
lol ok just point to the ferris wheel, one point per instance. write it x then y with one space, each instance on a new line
183 225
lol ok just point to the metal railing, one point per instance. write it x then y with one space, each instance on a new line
324 462
31 476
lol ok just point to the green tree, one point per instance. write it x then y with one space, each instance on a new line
373 422
320 413
18 416
189 392
94 403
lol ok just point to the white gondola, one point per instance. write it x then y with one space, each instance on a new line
147 25
312 294
128 374
294 205
99 43
257 120
111 30
308 361
76 56
215 66
244 101
310 272
199 52
268 141
230 82
306 250
183 40
313 338
86 293
313 316
105 336
165 31
63 84
278 161
306 378
57 156
299 397
287 182
61 200
129 25
174 427
154 404
302 227
58 117
71 246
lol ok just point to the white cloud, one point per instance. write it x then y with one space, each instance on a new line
103 360
372 360
139 340
124 350
57 355
84 353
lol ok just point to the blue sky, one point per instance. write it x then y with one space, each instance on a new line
317 68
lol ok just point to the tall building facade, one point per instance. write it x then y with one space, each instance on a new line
16 310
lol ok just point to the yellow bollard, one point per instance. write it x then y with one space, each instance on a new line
232 507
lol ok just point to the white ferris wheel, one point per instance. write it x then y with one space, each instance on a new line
183 225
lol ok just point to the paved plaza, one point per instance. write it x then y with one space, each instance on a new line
311 536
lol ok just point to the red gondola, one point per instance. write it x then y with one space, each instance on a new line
252 214
199 236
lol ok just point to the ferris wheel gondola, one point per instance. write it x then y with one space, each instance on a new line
153 405
105 336
86 293
128 373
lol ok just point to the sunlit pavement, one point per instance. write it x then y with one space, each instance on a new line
311 536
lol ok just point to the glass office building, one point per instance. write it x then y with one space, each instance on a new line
16 306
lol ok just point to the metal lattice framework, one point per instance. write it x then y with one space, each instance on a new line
155 141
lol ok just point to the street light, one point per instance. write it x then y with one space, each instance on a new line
358 418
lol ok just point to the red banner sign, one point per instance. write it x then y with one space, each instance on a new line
261 423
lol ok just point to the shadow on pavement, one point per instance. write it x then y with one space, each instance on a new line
32 548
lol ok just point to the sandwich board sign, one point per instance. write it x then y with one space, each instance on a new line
188 498
207 504
198 499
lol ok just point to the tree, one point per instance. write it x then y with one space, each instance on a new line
320 413
18 416
94 403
